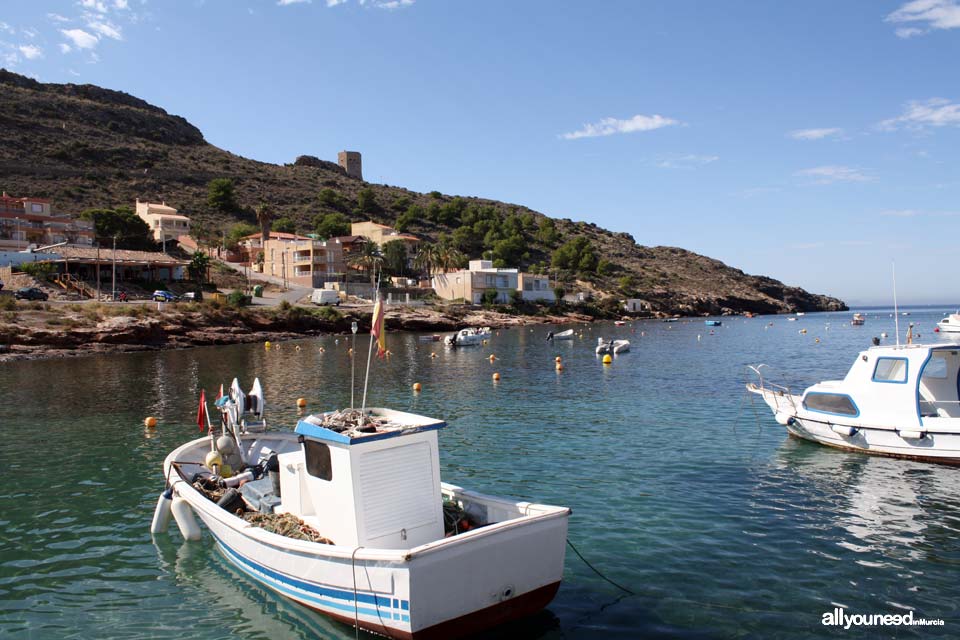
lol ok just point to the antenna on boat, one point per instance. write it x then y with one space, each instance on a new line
373 319
896 312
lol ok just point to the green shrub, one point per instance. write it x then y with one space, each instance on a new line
238 299
489 297
8 303
39 270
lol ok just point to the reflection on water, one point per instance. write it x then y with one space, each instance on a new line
720 524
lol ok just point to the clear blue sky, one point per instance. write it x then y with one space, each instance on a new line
815 142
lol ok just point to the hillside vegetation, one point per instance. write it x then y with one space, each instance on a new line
87 147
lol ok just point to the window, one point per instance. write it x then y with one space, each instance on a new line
317 456
936 367
836 403
36 208
890 370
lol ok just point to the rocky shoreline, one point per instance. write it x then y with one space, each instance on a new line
48 331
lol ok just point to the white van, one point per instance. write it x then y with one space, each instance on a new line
325 296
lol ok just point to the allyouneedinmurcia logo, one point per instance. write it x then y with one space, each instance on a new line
840 618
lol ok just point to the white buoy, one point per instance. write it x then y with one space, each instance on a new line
183 514
161 515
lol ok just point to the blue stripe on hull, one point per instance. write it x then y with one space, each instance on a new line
314 594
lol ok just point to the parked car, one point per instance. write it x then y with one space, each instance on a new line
193 296
161 295
30 293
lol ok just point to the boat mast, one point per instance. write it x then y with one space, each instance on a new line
896 313
366 378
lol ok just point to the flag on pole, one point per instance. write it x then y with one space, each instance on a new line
202 411
377 329
220 395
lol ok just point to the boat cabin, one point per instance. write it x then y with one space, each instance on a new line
906 385
377 485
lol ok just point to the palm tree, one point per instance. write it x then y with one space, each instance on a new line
427 258
369 258
449 257
264 218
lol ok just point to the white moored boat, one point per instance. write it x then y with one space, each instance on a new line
467 337
612 347
562 335
380 542
895 400
950 324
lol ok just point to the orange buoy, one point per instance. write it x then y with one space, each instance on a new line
150 422
492 357
417 387
559 367
301 403
496 377
558 359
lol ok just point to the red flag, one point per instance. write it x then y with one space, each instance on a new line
220 395
202 411
377 329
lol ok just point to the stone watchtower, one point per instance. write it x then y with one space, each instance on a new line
350 161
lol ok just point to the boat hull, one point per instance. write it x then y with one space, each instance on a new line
943 447
442 589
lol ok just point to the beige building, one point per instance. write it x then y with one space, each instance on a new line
31 221
471 283
303 261
164 221
382 234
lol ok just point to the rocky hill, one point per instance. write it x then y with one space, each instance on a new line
84 146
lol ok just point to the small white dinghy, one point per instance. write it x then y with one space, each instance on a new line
562 335
467 337
347 515
612 347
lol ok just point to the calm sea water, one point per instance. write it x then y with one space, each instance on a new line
682 489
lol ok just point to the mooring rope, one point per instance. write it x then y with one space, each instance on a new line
597 571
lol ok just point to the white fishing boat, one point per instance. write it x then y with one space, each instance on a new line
612 347
347 515
467 337
858 319
895 400
950 324
562 335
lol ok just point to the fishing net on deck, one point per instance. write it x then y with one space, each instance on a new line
285 524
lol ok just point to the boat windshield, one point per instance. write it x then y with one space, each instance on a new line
939 388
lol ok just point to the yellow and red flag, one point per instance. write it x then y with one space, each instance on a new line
378 329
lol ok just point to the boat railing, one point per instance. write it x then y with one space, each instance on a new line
779 393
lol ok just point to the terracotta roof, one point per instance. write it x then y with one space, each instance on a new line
277 235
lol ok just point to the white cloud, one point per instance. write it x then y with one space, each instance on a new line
5 27
689 161
834 173
610 126
333 3
901 213
935 112
56 17
30 33
930 14
814 134
80 38
284 3
121 4
31 52
107 29
73 73
390 4
95 5
65 48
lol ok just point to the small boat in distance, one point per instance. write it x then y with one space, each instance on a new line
858 319
713 323
801 313
347 515
895 400
562 335
619 323
612 347
467 337
950 324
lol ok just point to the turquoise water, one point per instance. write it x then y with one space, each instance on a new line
682 489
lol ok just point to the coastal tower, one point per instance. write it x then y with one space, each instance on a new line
350 161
